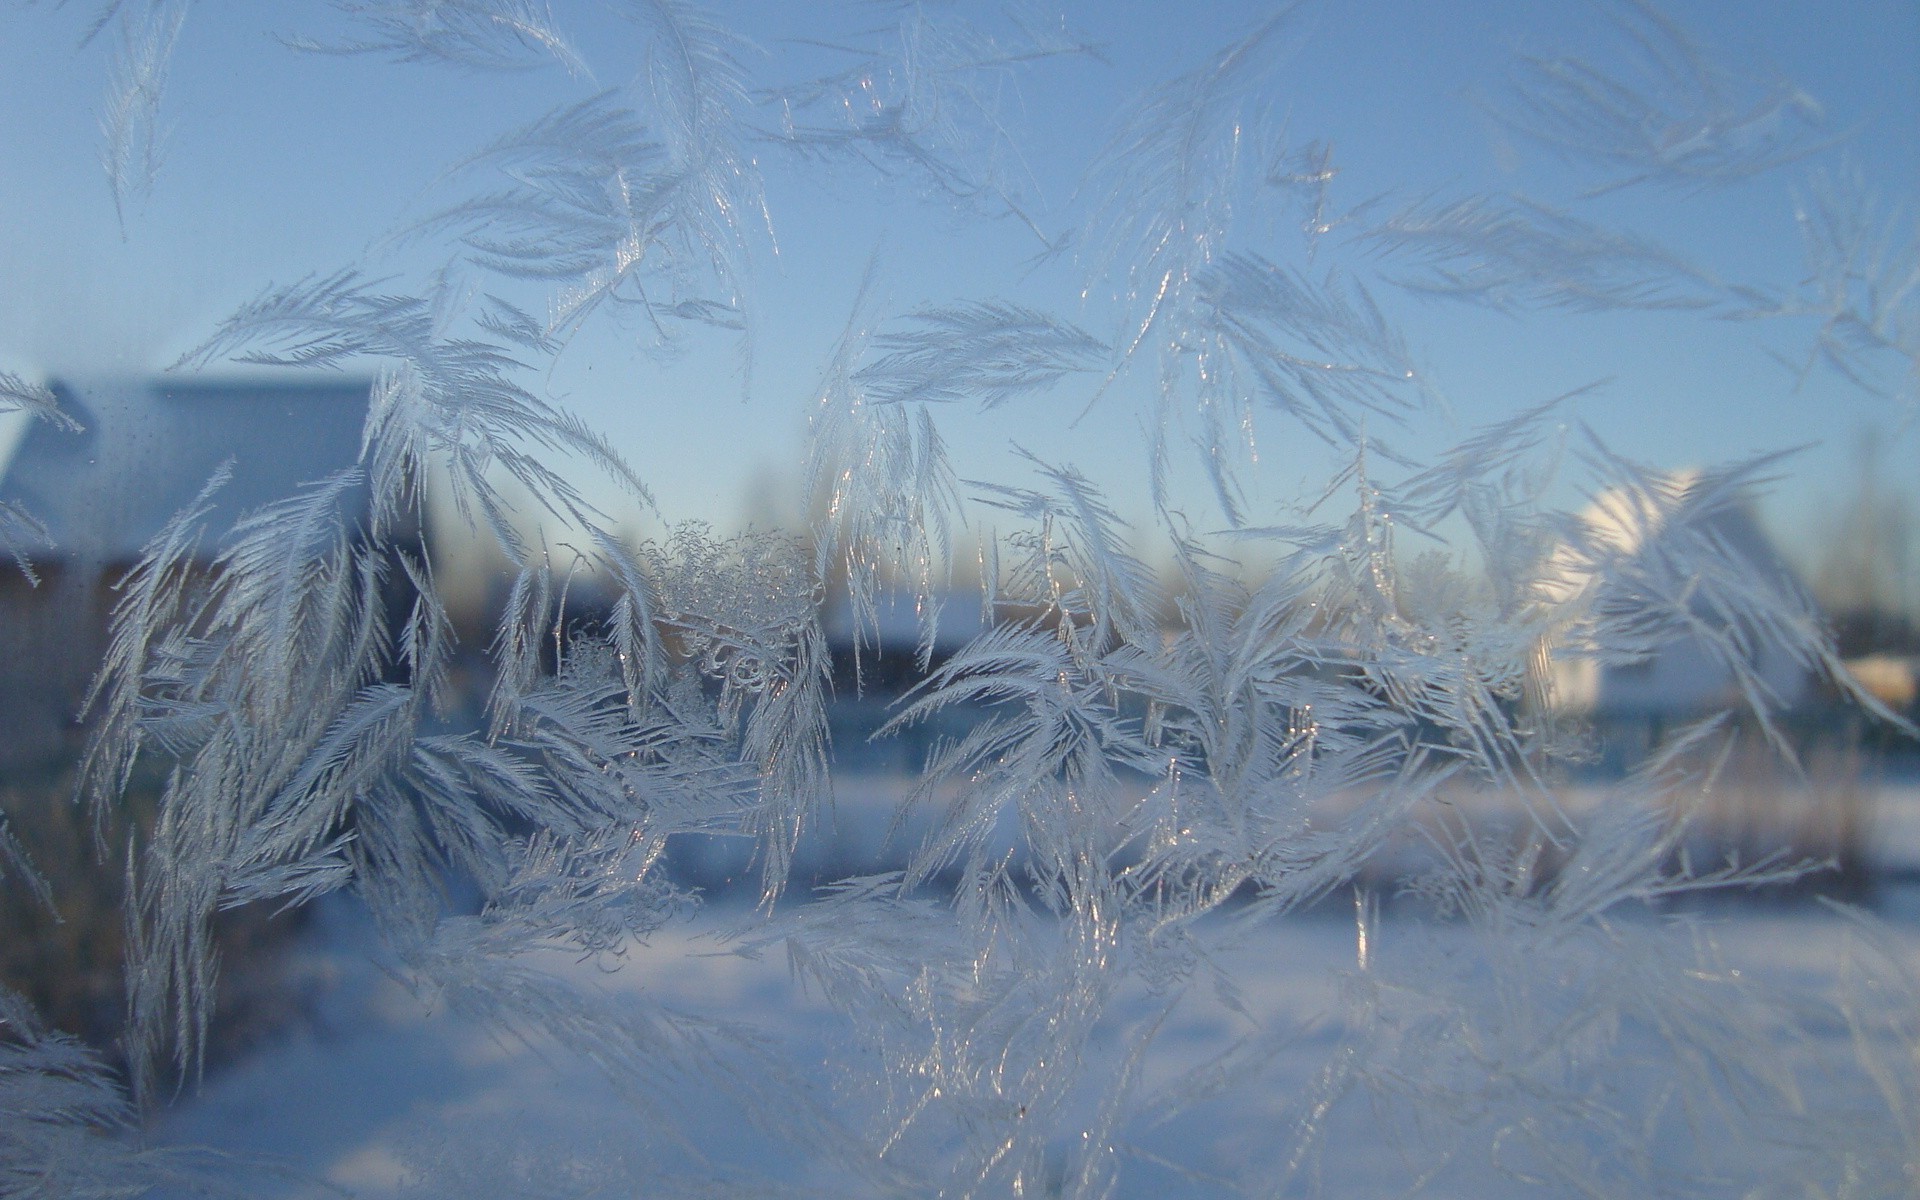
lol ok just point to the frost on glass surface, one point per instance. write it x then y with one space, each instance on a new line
130 119
20 531
1663 110
484 34
1175 734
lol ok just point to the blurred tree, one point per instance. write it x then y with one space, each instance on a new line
1865 577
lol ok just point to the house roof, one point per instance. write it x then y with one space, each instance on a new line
148 447
1664 537
1636 522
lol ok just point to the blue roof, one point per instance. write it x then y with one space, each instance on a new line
149 446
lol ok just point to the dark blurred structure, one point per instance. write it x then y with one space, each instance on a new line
883 654
1865 580
146 449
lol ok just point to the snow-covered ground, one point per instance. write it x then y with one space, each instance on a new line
383 1096
380 1094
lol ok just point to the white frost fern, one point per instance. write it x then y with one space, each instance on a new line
1134 773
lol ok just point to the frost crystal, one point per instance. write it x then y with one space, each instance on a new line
1178 739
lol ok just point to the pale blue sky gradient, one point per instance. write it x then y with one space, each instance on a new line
281 164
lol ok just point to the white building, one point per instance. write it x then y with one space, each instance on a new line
1646 586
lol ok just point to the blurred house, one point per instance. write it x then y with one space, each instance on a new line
1667 660
1892 679
146 449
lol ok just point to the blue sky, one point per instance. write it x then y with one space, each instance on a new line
282 163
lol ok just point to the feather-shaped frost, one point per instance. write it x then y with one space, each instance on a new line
20 532
450 398
1127 776
1862 285
697 72
1323 353
879 477
614 214
1259 741
1179 186
490 34
588 183
17 395
19 528
1168 177
1669 559
156 595
1512 253
1074 562
251 674
130 113
67 1128
923 97
1664 112
1049 756
1052 750
990 351
1308 173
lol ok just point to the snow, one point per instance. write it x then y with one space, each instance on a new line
382 1093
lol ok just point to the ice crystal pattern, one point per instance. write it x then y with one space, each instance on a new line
1152 762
